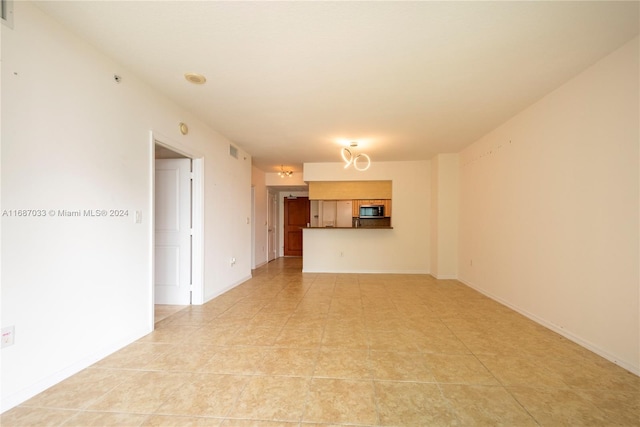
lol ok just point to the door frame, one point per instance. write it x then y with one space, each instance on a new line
253 227
197 215
273 221
281 196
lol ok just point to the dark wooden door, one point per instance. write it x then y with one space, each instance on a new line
296 216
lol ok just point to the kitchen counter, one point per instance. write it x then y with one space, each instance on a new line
384 227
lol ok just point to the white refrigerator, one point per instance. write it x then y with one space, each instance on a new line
343 213
335 213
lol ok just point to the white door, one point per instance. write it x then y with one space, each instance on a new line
173 231
272 218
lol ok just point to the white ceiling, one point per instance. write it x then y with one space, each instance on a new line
287 81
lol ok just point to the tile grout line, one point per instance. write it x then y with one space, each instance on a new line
315 364
371 373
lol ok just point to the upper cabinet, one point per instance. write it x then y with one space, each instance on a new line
350 190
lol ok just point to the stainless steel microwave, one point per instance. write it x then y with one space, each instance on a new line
372 211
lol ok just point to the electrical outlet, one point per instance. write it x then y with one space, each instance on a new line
8 336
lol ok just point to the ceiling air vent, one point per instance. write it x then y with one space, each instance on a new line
233 151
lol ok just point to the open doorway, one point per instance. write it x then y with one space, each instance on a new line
177 242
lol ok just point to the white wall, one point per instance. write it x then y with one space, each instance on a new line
275 180
433 224
260 211
444 216
550 209
75 288
404 249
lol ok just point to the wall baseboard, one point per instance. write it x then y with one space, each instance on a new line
555 328
227 289
445 276
27 393
260 265
356 271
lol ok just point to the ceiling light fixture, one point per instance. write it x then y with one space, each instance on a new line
350 157
195 78
283 173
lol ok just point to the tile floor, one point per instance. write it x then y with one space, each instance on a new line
162 311
293 349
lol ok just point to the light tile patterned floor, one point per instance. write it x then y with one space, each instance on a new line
293 349
163 311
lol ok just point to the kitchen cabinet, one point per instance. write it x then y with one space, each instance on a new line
356 208
349 190
387 208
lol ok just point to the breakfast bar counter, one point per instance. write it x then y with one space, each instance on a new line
368 227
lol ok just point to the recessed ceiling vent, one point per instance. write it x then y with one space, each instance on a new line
195 78
233 151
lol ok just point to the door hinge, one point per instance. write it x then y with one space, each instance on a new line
191 231
191 175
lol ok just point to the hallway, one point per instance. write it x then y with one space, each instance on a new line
293 349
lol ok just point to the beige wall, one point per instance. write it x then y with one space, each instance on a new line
550 209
